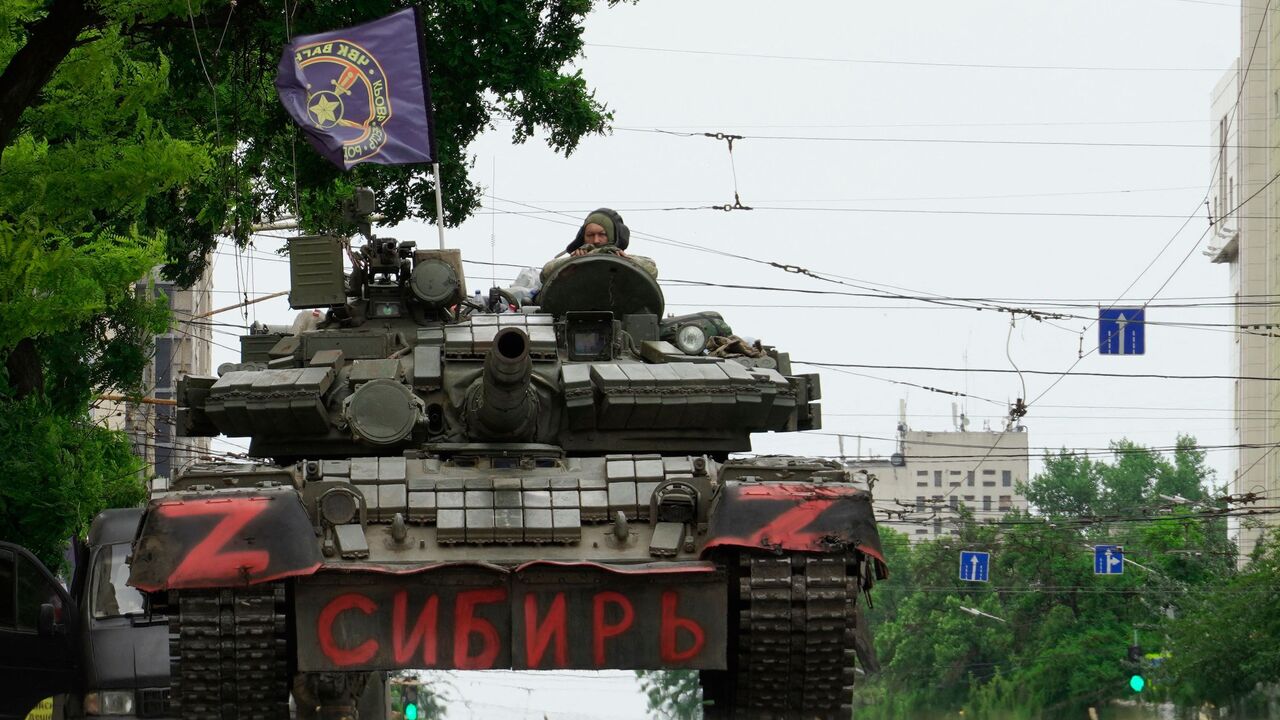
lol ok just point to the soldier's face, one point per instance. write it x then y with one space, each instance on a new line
593 234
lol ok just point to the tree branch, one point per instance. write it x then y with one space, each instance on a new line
50 40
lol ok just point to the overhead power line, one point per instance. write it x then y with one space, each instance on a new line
887 211
1003 371
907 63
912 124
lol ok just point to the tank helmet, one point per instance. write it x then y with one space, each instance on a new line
618 232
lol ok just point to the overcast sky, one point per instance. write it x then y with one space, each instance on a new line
1035 212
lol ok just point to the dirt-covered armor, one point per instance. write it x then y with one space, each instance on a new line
444 481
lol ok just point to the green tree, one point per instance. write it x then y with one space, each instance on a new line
134 132
1228 640
672 693
1069 485
1054 636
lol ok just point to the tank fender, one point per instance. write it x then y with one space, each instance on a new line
796 517
223 538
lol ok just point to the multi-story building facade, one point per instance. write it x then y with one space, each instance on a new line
1245 206
185 349
933 474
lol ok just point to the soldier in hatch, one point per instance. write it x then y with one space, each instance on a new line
602 232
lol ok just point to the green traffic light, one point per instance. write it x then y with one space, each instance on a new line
411 711
1137 683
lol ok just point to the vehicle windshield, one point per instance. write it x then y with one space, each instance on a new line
109 595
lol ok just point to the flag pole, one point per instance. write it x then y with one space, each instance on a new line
435 170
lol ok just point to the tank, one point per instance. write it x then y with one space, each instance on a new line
443 480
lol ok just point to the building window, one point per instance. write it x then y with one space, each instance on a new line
986 503
970 479
937 527
1006 503
955 503
1222 167
922 478
968 498
1006 478
937 478
988 472
919 503
922 473
922 531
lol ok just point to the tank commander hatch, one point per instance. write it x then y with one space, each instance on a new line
602 232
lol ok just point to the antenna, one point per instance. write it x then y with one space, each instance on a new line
493 223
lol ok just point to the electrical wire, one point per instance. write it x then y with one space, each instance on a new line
949 141
1004 371
908 63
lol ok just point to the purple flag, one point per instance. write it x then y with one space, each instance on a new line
361 94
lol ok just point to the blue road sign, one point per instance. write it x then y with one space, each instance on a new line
1108 560
1121 331
974 566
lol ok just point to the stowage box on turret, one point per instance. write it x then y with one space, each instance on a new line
448 481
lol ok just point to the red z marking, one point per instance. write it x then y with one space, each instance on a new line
538 636
604 630
205 563
785 528
344 657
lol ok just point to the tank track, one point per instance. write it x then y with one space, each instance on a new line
794 650
229 655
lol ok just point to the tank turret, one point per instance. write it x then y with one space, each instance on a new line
501 403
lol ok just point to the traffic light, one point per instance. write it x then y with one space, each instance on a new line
409 701
1136 681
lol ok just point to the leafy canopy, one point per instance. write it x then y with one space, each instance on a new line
135 132
1061 639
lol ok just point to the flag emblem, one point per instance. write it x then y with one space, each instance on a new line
346 96
361 93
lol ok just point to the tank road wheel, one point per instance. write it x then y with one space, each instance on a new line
792 654
229 654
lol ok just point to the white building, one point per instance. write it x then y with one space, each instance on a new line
186 349
934 474
1245 204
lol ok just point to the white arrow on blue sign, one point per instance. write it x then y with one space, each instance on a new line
974 566
1121 331
1108 560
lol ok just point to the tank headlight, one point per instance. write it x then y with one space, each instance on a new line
338 507
109 702
691 340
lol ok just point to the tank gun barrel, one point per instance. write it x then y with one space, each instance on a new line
502 404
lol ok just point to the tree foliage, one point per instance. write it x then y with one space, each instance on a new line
1228 642
1061 638
60 471
136 132
672 694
